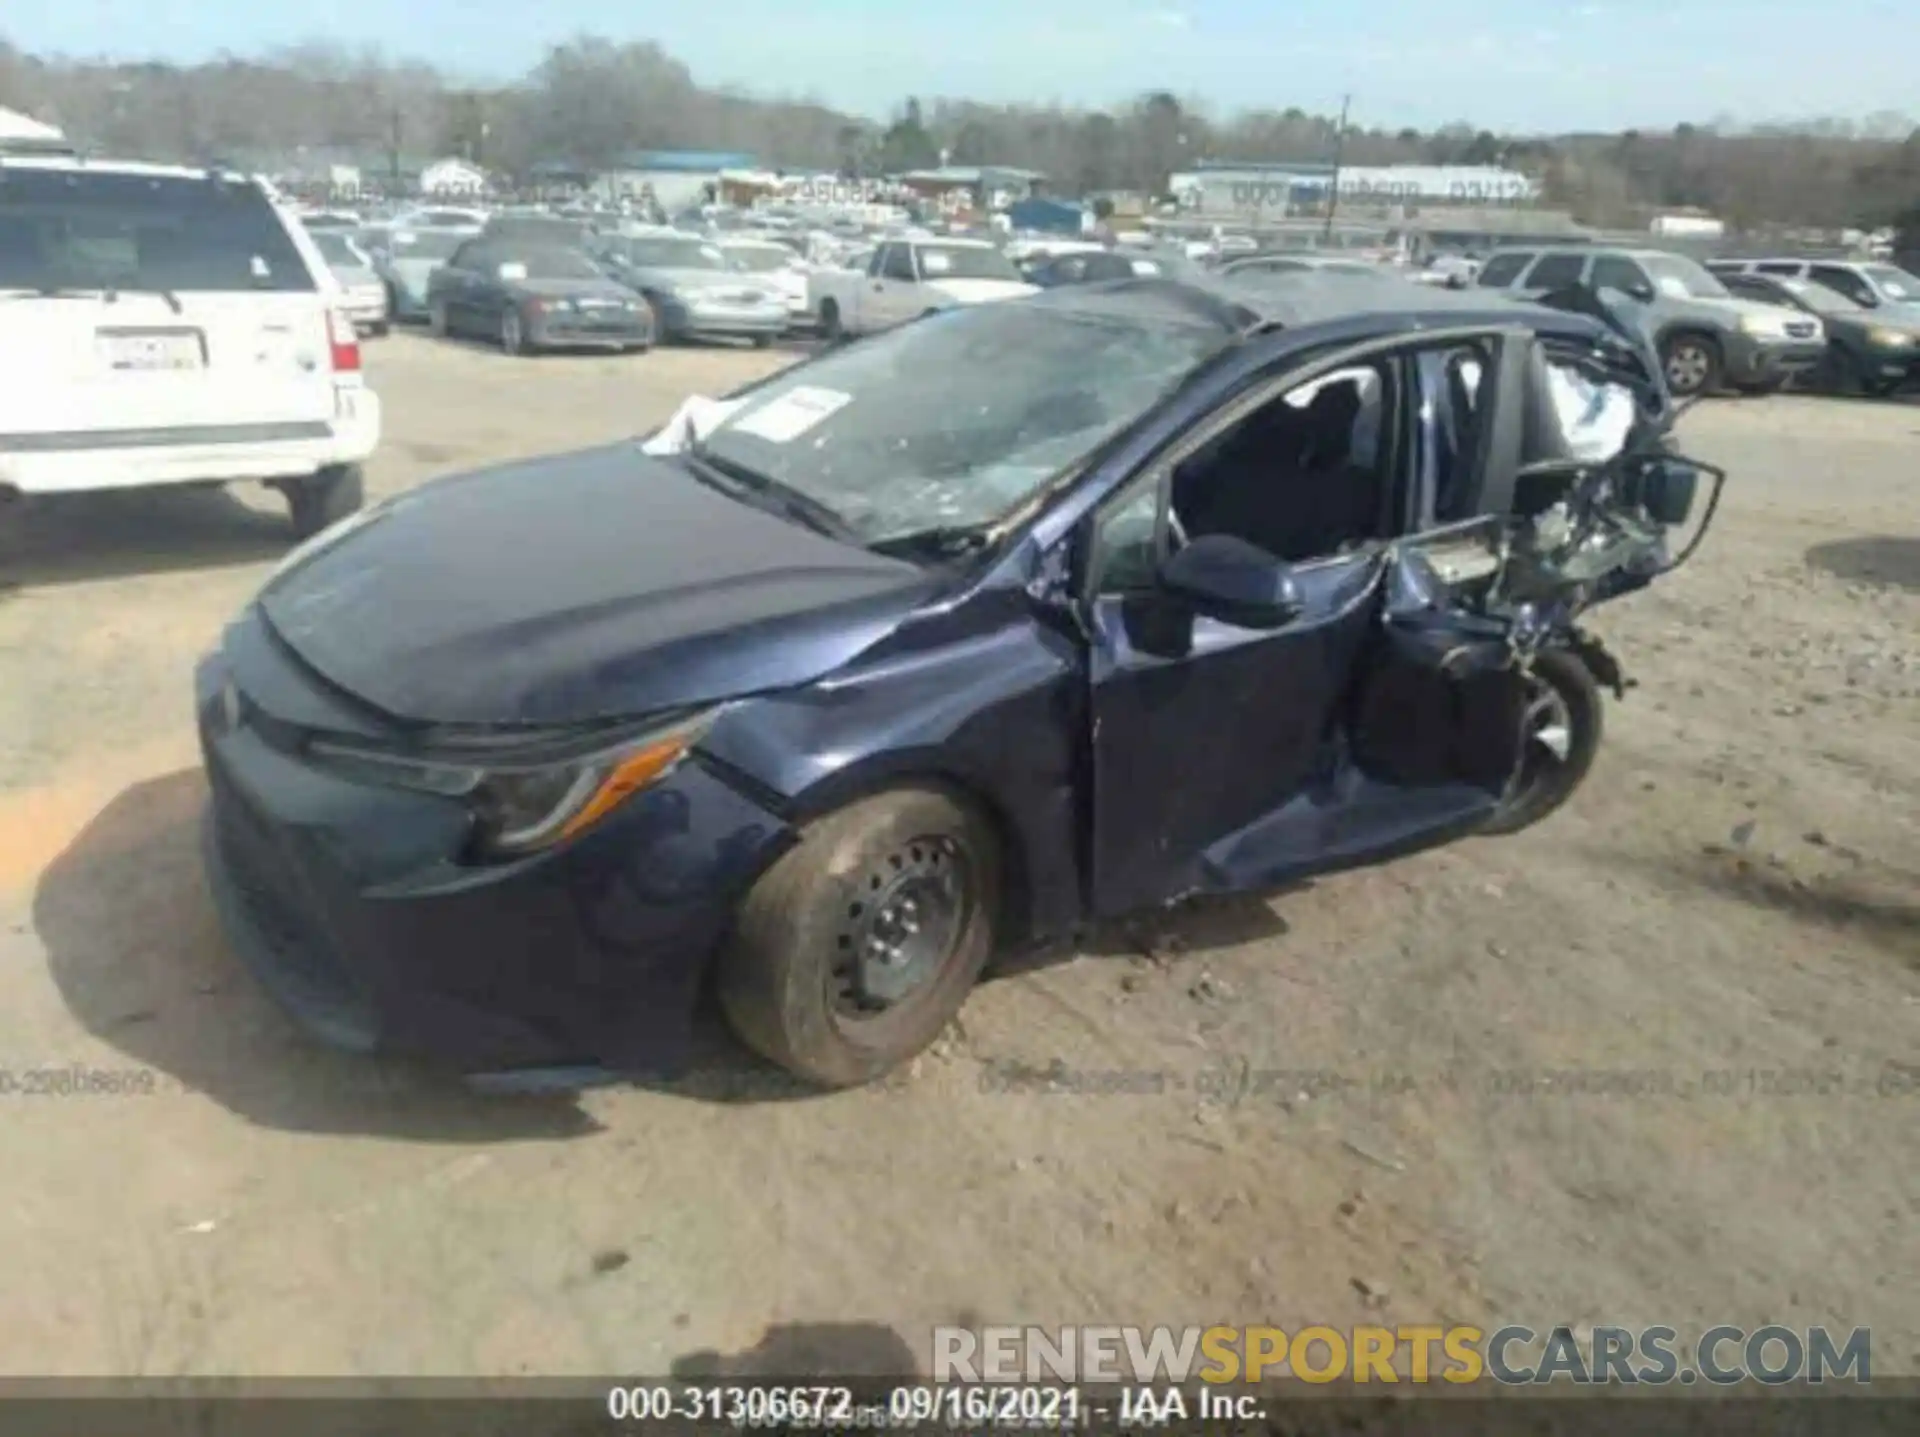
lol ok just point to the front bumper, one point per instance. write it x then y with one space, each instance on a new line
611 328
108 459
1756 361
1899 367
714 320
349 904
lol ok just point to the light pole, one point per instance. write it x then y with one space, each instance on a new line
1333 189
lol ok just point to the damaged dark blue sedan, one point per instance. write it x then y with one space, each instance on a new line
1015 617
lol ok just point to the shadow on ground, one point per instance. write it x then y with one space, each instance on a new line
1860 902
1879 560
137 954
76 538
135 950
808 1349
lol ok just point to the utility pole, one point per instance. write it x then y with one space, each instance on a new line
1333 188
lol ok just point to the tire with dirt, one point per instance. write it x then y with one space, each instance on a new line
1858 377
661 334
513 332
1693 364
1565 720
856 948
324 499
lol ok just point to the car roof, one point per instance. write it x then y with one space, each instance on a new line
79 164
1302 299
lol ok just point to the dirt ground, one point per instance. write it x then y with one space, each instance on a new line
1262 1108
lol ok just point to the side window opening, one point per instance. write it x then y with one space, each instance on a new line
1303 477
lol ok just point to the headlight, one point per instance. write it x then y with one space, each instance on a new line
1889 338
521 805
1763 326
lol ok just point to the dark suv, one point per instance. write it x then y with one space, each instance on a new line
1706 336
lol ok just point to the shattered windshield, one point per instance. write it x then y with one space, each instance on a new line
951 422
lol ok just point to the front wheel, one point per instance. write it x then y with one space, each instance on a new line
856 948
513 334
322 500
1562 727
1693 365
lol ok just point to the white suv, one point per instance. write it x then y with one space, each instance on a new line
172 326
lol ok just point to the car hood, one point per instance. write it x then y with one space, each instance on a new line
713 279
569 288
414 271
1736 307
579 587
979 291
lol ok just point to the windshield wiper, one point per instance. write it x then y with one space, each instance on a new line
941 541
764 490
172 299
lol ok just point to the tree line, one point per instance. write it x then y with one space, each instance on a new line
591 100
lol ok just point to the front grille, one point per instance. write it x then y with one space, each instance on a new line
305 971
1801 329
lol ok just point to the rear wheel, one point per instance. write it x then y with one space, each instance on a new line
324 499
762 341
1563 723
382 329
831 328
1693 365
437 318
660 332
513 335
853 952
1862 379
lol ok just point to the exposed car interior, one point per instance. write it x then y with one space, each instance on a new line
1302 477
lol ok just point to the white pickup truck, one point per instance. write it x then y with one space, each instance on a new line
905 278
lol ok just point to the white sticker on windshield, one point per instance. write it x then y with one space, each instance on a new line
934 262
792 414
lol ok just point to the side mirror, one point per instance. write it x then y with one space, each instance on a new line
1230 579
1642 292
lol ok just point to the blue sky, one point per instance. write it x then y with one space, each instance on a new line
1503 64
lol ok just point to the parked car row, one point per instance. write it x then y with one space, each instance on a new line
1840 324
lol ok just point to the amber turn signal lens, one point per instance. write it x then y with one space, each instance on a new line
629 776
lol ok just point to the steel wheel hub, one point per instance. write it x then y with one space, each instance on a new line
1547 725
903 922
1687 366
